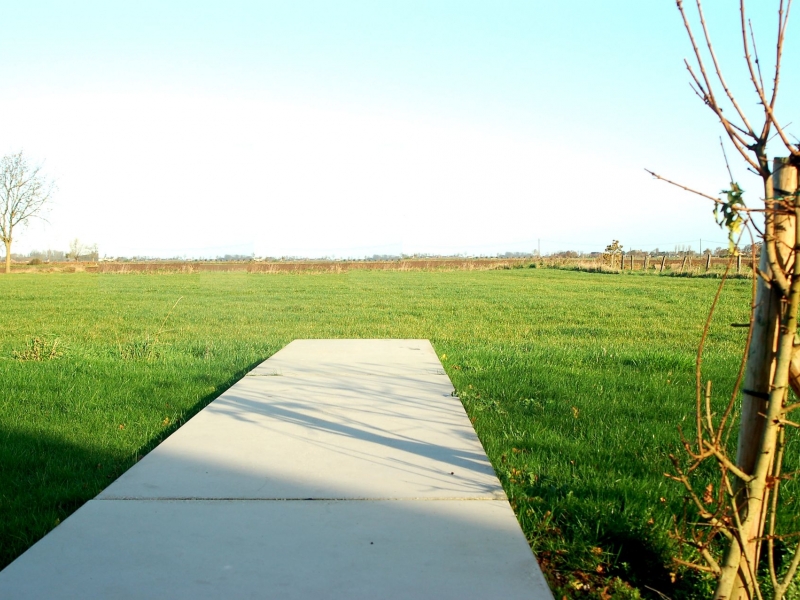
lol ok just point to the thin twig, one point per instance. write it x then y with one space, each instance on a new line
724 460
164 322
691 565
774 509
683 187
743 362
725 156
755 52
699 364
789 577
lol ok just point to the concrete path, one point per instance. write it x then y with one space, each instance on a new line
335 469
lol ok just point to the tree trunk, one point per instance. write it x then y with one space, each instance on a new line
760 370
8 255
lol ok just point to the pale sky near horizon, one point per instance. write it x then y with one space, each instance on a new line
353 128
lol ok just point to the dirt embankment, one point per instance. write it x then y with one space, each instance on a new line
313 266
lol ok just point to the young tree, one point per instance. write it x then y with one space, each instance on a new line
24 192
613 253
749 485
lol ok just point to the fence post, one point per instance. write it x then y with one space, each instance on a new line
646 262
631 261
622 260
663 262
738 264
683 264
708 262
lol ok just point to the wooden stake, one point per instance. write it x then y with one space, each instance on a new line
663 262
765 327
683 264
646 262
708 262
738 264
765 335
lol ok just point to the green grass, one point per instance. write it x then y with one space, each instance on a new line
575 382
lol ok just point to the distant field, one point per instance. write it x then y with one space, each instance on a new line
575 383
637 263
282 266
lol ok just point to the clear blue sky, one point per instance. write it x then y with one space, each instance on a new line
351 128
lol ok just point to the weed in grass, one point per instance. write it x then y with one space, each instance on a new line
38 349
149 347
145 349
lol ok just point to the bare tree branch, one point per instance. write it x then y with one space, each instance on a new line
757 82
727 462
734 131
683 187
722 81
783 19
769 106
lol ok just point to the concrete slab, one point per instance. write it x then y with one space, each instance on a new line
321 438
288 550
335 469
353 358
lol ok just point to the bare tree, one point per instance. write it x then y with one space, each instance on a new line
76 249
743 513
24 192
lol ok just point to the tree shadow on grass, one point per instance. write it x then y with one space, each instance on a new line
44 479
625 543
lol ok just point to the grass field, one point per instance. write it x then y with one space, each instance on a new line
575 382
